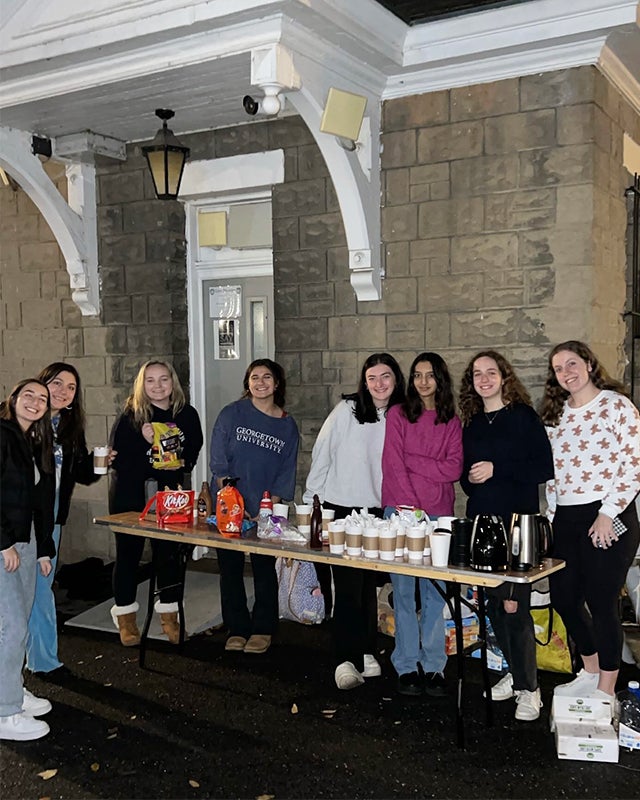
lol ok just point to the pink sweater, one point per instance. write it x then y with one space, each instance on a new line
421 461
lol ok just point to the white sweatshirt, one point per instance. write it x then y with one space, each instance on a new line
596 454
346 462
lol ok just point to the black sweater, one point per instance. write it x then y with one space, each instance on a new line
77 467
133 465
22 500
517 445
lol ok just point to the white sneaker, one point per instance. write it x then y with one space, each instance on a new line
347 676
584 684
372 668
22 727
35 706
503 690
600 695
528 705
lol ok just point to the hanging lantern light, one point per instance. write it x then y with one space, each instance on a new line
166 158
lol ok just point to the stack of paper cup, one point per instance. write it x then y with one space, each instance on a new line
387 543
370 542
336 537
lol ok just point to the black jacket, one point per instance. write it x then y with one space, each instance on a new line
22 501
77 467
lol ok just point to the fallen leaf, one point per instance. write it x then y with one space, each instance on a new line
107 684
47 774
329 710
397 722
97 657
44 798
113 736
133 716
294 709
95 767
265 797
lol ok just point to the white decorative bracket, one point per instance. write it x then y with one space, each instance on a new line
74 224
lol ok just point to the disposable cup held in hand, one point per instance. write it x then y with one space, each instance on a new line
387 544
101 460
281 510
440 543
415 543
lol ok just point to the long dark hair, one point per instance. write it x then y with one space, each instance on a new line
39 433
280 390
72 419
445 407
365 409
512 389
555 396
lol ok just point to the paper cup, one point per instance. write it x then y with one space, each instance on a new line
445 522
353 538
101 460
440 543
415 543
327 516
303 515
336 537
281 510
400 542
387 544
370 543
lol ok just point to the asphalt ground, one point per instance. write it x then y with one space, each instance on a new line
209 724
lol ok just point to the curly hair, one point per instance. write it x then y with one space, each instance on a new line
138 404
445 407
512 389
280 390
72 419
365 409
555 396
39 435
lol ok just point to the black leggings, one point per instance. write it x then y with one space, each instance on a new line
125 572
585 593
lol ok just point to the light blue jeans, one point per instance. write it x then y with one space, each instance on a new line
42 641
420 639
16 597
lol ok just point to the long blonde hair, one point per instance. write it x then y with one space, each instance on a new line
138 404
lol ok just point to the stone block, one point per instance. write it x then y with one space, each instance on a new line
575 205
332 203
498 173
488 252
448 142
337 263
406 331
159 308
496 296
568 246
362 333
75 342
13 315
18 287
430 248
484 100
125 249
547 166
8 201
26 206
301 198
398 149
53 348
71 314
399 223
450 292
45 234
39 256
491 328
560 88
516 210
286 234
144 216
396 186
576 124
397 259
311 163
116 310
524 131
92 370
140 310
415 111
242 139
540 286
163 246
109 220
152 339
41 314
607 97
438 330
311 368
453 217
290 166
399 296
346 300
300 266
112 280
321 230
288 132
119 188
301 334
9 257
346 362
286 302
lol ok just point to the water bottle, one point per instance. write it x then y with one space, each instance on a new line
628 716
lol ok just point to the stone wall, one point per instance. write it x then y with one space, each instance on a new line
503 224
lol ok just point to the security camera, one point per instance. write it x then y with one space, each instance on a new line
250 105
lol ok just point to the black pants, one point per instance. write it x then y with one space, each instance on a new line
166 556
585 593
235 613
515 632
355 608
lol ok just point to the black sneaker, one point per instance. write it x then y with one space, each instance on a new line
434 684
409 684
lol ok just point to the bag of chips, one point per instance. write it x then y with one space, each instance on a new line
167 447
229 509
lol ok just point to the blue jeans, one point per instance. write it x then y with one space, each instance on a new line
42 640
419 640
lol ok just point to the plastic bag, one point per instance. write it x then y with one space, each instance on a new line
552 641
274 527
167 446
229 510
300 598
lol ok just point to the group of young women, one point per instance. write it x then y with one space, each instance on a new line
381 446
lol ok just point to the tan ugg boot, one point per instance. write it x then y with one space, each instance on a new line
169 620
124 618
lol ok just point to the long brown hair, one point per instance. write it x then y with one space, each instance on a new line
72 419
512 389
365 409
38 435
555 396
280 389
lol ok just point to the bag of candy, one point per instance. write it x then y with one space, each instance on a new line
229 509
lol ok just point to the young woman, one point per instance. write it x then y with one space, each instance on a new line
73 463
595 435
506 457
256 441
157 400
421 460
346 474
26 523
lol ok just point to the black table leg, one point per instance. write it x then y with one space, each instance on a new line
457 618
147 621
482 631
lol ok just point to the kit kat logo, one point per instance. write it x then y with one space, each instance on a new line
175 501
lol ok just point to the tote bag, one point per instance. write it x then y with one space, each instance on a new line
299 596
552 641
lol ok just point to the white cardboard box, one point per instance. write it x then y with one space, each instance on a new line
583 710
628 738
583 741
